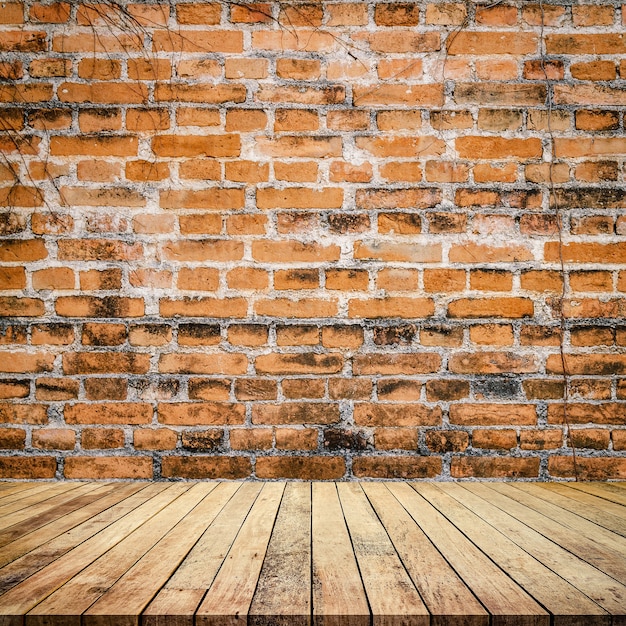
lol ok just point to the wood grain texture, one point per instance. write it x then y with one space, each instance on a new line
322 553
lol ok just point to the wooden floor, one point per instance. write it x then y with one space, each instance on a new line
352 554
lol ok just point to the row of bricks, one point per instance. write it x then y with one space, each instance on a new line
301 363
394 279
409 68
369 414
49 389
216 250
428 39
350 337
317 14
307 119
311 439
252 172
312 467
385 94
302 223
397 307
471 147
319 198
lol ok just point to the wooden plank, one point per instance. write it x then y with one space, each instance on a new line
20 510
338 594
27 594
569 606
392 597
177 602
13 491
123 603
602 589
84 588
31 553
506 601
590 507
449 600
607 491
604 549
283 593
70 502
46 533
229 597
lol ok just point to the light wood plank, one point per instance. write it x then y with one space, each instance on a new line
602 589
231 593
199 568
283 593
569 606
83 589
34 504
392 597
338 594
605 550
449 600
607 491
122 604
27 594
13 491
43 535
580 503
506 601
71 502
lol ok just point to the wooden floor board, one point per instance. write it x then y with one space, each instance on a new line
312 554
601 588
603 513
571 532
570 606
607 491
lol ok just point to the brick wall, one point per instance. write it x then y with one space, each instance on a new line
312 240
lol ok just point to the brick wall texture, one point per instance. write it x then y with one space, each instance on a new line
317 240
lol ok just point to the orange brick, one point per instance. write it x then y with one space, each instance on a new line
108 467
304 468
398 467
102 438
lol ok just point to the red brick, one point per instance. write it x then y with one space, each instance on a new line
295 413
200 413
588 468
108 467
29 468
494 467
492 363
304 468
399 467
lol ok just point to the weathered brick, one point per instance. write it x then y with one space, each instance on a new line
108 467
398 467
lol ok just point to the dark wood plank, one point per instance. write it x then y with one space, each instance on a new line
230 596
85 519
391 594
283 593
70 502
